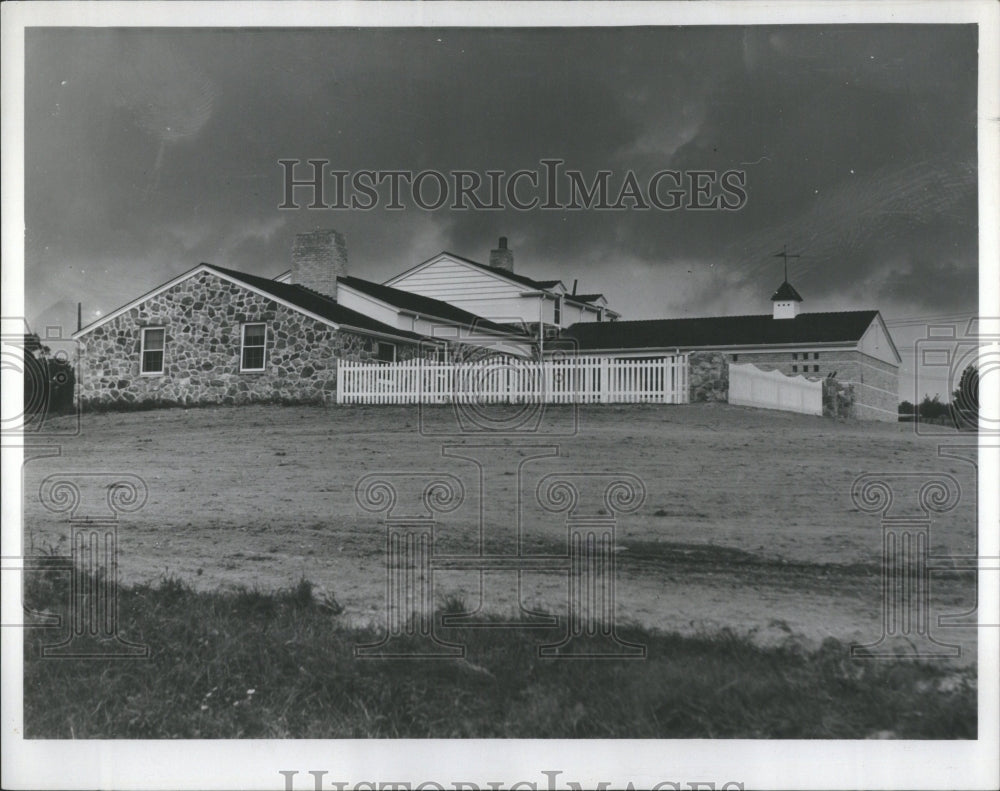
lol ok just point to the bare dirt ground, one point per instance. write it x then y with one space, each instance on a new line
748 521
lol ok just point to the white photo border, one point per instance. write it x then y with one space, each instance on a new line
255 764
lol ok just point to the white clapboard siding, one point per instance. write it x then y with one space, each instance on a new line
472 288
587 380
750 386
447 280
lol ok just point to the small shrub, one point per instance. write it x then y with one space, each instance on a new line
838 398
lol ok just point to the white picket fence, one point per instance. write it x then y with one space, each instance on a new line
571 380
750 386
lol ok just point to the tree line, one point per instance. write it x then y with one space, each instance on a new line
962 411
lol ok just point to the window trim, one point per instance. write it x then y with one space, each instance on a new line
243 346
142 351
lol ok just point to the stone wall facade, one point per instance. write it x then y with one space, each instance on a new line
202 318
708 377
875 383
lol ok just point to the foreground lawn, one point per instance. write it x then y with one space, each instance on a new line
249 664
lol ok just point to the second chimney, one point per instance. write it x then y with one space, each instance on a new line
502 258
318 258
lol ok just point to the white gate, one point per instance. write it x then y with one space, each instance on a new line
572 380
750 386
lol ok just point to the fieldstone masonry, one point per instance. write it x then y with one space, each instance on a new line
708 377
203 319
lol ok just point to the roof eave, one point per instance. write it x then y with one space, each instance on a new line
722 346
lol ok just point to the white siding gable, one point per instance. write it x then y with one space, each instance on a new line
876 343
469 287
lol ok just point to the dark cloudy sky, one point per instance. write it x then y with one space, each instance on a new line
149 151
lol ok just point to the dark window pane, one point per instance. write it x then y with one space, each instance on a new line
152 362
386 353
253 357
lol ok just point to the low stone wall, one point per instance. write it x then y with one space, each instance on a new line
708 377
203 319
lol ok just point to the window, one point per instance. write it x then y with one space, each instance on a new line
795 369
385 353
815 369
795 356
600 314
815 355
151 352
736 358
557 312
252 348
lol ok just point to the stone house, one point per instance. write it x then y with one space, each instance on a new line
216 335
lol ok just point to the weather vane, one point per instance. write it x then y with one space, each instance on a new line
786 255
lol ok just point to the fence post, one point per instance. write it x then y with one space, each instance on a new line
340 381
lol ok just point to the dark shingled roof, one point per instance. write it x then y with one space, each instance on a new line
786 291
426 306
762 330
540 285
314 302
584 297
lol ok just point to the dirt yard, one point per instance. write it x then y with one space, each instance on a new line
748 521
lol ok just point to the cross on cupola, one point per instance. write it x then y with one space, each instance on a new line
786 299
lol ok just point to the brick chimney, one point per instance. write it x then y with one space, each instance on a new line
318 258
502 258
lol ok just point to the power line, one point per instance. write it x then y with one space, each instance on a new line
914 320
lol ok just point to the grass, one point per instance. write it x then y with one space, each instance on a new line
249 664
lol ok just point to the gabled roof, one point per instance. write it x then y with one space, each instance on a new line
585 297
425 306
297 297
785 292
540 285
521 280
314 302
722 331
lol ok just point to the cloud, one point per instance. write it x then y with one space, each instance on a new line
151 150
